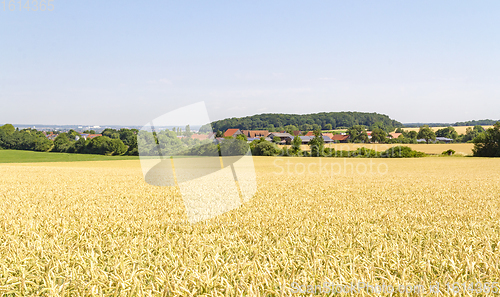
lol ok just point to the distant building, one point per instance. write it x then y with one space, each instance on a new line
255 133
304 139
282 136
340 138
51 136
442 139
89 136
200 136
330 135
327 139
232 132
394 135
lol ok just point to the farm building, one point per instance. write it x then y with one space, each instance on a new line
232 132
442 139
255 133
340 138
394 135
282 136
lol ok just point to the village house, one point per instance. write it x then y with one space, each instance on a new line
394 135
282 136
340 138
50 136
255 133
89 136
232 132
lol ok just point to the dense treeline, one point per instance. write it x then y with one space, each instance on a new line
475 123
26 139
166 143
125 142
358 134
307 122
317 149
112 142
467 123
417 125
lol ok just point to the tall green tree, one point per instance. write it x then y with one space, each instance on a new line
62 143
111 133
187 131
471 133
448 132
42 144
426 133
242 137
487 144
296 143
412 134
379 135
99 145
116 147
357 133
291 128
317 144
8 128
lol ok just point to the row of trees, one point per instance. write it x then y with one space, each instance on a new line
308 122
476 122
317 149
486 142
26 139
486 122
125 142
358 134
113 142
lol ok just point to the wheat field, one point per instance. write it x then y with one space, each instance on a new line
97 229
431 148
459 129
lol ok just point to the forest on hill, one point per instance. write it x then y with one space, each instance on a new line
486 122
307 122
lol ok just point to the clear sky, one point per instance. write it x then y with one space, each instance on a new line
127 62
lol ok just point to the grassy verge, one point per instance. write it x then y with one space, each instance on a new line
14 156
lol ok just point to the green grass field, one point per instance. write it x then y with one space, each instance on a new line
14 156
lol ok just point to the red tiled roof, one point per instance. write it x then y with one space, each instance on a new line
199 136
230 132
310 133
395 135
339 137
255 133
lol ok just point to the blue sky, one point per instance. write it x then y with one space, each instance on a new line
127 62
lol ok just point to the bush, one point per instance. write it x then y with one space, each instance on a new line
365 153
401 152
233 147
448 152
265 148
